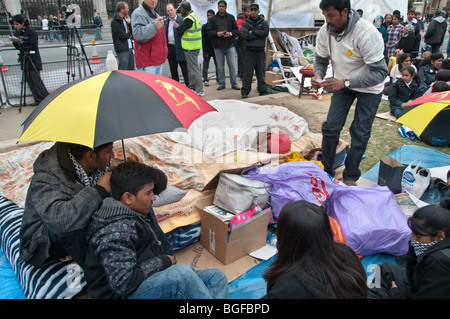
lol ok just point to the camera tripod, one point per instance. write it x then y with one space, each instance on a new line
23 88
72 53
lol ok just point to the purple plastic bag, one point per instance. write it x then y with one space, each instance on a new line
370 219
292 181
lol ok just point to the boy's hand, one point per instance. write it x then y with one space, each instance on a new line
173 259
104 181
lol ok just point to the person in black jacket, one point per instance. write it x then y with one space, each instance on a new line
310 263
405 89
223 28
427 274
26 40
254 31
122 37
408 42
208 50
129 255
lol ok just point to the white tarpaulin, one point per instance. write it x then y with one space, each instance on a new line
300 13
200 7
372 8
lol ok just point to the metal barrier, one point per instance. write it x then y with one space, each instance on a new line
54 74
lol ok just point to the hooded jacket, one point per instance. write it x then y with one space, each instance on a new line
55 201
125 248
436 31
150 44
356 54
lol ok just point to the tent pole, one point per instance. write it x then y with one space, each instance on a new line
269 14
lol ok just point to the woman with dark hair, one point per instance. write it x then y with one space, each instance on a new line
428 71
26 40
427 261
310 264
403 61
395 31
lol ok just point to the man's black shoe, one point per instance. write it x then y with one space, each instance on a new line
244 96
221 87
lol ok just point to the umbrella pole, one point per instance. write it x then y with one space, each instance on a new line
123 148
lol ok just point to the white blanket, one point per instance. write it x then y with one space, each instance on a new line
237 125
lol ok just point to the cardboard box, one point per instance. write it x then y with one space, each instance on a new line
273 76
229 246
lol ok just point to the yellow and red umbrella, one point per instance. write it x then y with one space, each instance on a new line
111 106
428 115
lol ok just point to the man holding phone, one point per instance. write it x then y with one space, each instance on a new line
223 28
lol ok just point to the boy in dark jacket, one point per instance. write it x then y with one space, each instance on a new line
129 256
403 90
254 31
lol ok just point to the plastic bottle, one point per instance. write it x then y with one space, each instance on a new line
111 62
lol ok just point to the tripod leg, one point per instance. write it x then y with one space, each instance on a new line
83 51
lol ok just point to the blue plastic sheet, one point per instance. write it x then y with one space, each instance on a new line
406 154
251 285
10 287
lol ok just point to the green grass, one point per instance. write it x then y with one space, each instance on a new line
384 139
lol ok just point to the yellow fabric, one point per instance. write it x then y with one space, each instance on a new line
192 38
181 220
56 122
418 118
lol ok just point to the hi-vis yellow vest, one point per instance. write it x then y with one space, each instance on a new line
192 37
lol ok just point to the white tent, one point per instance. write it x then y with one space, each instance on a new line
301 14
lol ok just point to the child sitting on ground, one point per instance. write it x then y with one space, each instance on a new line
403 90
129 256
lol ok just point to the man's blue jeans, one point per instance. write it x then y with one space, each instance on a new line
360 129
181 281
230 55
154 69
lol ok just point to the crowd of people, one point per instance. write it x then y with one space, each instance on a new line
179 37
413 66
77 208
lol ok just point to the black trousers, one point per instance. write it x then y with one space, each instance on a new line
36 85
173 64
254 61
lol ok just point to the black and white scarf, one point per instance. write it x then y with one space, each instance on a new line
86 180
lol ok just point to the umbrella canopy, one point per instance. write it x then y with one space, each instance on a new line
429 115
111 106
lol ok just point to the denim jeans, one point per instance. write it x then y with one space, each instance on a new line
155 69
230 55
181 281
360 129
126 60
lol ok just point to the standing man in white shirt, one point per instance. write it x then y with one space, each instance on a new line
355 48
175 54
122 37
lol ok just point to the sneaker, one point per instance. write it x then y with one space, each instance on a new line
221 87
235 87
200 93
206 83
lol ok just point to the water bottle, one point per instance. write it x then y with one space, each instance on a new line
111 62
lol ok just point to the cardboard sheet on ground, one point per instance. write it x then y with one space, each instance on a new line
200 258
